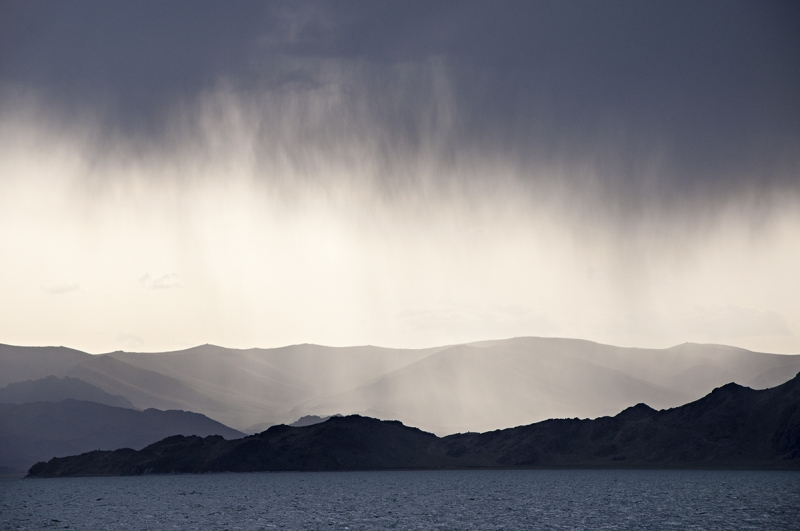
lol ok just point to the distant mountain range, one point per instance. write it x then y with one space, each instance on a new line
476 387
732 427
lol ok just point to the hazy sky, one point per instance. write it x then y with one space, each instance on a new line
400 174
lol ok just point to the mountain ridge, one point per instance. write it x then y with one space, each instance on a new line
478 386
731 427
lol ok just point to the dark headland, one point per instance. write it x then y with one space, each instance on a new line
733 427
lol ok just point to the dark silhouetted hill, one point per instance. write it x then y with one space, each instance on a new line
41 430
309 420
732 427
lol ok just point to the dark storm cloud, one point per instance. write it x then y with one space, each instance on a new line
134 57
662 99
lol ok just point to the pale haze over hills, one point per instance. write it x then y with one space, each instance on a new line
475 387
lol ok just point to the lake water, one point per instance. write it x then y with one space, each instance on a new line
493 499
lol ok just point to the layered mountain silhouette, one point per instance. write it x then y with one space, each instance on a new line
53 389
732 427
34 431
32 363
477 387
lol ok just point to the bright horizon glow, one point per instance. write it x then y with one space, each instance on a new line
245 230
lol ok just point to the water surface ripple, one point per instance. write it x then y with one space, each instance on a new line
490 499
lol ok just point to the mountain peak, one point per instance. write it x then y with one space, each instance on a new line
638 411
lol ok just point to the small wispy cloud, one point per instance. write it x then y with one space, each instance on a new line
168 281
60 289
127 340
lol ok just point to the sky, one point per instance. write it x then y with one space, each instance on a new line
257 174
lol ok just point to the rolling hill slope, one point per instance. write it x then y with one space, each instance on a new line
476 387
54 389
493 385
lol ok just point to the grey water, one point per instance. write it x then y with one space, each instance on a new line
444 500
